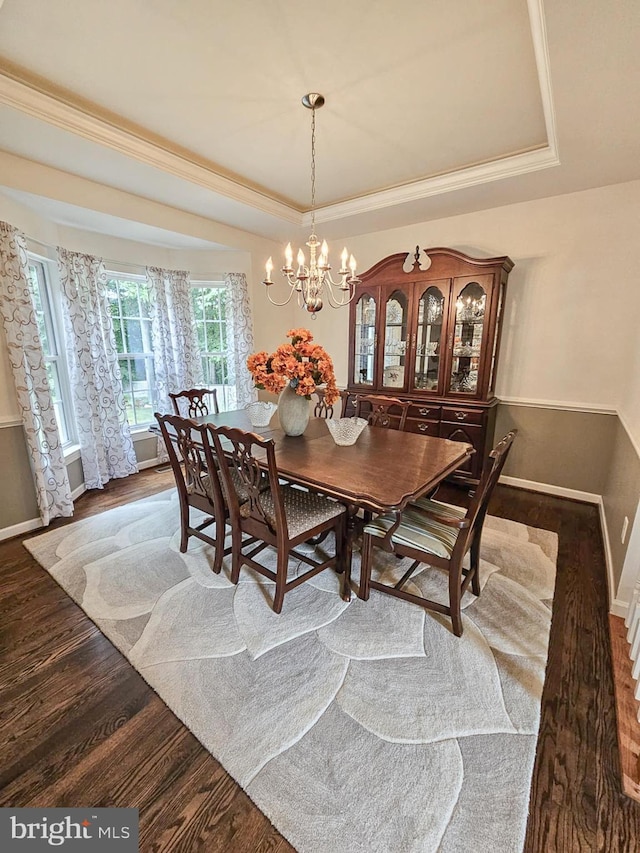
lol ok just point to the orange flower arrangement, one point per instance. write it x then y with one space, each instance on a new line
302 364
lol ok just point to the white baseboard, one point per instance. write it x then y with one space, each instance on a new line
619 608
616 606
548 489
613 601
18 529
149 463
80 490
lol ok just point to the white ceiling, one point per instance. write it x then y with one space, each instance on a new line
433 107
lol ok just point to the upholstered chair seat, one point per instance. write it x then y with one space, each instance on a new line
418 530
303 510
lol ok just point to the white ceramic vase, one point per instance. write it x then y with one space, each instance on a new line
293 411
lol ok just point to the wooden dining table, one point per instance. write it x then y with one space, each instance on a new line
384 470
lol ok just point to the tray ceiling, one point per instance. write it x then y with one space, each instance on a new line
197 104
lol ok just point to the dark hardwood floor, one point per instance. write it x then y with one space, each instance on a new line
81 727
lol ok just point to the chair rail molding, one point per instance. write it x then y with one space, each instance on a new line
560 405
10 421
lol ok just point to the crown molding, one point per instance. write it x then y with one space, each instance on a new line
29 99
506 167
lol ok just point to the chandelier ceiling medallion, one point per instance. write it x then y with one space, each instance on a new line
313 283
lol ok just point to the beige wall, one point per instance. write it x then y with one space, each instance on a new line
567 449
18 501
620 495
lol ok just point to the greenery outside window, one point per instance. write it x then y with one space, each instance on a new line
210 310
130 308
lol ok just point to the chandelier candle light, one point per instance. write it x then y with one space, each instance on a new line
312 281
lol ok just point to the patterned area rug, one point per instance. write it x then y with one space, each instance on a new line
362 727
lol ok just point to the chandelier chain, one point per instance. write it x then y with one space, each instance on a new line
312 282
313 171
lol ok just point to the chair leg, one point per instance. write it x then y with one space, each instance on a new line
221 530
475 566
366 558
236 548
281 579
455 596
184 524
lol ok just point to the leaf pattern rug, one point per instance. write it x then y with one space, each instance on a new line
365 727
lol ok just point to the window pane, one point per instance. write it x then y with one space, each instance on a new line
214 342
142 407
147 342
209 305
139 373
125 369
202 338
50 338
198 306
117 330
130 306
56 397
133 335
129 298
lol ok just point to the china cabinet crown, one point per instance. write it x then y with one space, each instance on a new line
432 336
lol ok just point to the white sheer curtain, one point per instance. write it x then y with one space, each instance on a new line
106 448
176 355
240 343
31 381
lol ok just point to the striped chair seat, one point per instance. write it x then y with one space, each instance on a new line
417 530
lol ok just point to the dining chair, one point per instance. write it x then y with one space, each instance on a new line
194 402
321 410
197 481
436 534
279 516
389 412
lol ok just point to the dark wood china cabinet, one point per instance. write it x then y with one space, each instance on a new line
432 336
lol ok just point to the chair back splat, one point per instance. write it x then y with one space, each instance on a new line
433 533
193 403
321 410
381 411
279 516
196 474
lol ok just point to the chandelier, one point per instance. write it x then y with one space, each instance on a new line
313 283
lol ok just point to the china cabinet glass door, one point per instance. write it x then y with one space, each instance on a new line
430 339
365 340
395 339
468 336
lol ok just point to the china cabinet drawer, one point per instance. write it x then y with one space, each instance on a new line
424 411
464 416
422 426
